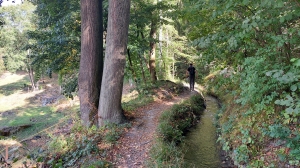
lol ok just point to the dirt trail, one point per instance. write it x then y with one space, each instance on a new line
134 145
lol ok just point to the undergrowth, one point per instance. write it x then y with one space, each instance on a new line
259 120
83 146
173 125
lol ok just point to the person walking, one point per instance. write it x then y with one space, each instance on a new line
191 72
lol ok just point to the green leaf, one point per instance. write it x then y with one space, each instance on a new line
289 110
293 88
245 2
280 4
297 111
269 73
286 116
281 19
293 59
278 102
286 102
276 74
296 62
254 24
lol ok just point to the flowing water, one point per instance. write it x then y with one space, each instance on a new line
202 150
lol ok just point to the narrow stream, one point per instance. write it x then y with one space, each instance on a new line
202 150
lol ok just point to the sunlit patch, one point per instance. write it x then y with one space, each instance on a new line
130 96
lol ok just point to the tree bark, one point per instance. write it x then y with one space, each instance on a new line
90 67
31 77
30 71
110 110
152 58
101 60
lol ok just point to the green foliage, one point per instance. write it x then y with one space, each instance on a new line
81 146
113 132
71 149
69 84
270 110
172 52
165 155
173 124
258 41
97 164
55 44
15 23
168 132
140 101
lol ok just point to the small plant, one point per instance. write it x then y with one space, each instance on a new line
60 144
112 132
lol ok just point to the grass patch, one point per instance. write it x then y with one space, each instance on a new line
39 118
12 84
30 115
136 103
166 155
20 107
174 123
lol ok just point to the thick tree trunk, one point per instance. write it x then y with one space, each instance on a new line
110 110
101 60
89 70
152 58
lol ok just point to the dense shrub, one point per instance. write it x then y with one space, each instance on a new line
174 123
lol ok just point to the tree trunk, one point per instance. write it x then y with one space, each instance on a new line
152 51
131 67
110 110
30 71
31 77
89 70
142 68
101 61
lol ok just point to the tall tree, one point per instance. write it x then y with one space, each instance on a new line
55 45
152 37
152 57
15 22
90 66
110 109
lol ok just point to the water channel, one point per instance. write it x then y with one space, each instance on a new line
201 148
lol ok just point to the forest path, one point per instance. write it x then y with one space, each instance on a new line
133 147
